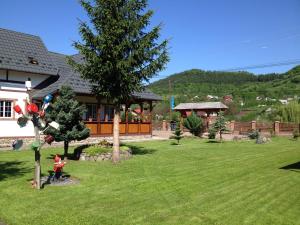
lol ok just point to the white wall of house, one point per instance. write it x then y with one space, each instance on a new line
16 93
23 76
9 126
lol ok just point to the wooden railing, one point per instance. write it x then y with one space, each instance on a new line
131 128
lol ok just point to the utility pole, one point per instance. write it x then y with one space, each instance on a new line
170 94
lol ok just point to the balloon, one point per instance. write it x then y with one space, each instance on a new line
32 108
18 109
48 98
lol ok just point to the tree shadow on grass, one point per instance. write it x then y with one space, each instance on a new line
137 150
71 156
292 167
212 141
12 169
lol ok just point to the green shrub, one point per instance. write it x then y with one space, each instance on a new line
253 134
94 150
194 124
123 117
177 135
175 117
212 133
124 148
296 134
105 143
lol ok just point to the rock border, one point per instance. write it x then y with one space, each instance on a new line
104 156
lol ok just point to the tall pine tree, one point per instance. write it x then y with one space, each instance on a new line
67 111
120 52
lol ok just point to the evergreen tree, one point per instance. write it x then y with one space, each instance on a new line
67 111
120 53
194 124
220 124
177 133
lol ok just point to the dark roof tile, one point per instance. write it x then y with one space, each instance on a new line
16 47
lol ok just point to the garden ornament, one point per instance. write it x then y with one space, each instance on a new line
49 139
17 144
35 145
42 114
45 106
32 108
22 121
18 109
54 125
48 98
58 166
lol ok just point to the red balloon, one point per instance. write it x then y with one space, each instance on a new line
32 108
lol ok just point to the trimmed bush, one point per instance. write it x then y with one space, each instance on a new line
194 124
212 133
296 134
253 134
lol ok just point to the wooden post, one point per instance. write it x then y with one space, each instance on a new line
253 125
126 118
37 155
151 118
98 115
232 123
276 127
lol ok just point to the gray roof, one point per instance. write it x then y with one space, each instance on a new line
201 105
17 48
67 76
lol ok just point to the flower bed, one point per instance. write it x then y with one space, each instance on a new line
103 152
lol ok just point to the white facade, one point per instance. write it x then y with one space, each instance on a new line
15 94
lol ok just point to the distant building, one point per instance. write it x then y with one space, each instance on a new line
212 97
228 98
283 101
206 110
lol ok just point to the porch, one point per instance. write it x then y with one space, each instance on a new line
129 128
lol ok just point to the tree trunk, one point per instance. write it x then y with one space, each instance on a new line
37 158
116 135
221 138
66 147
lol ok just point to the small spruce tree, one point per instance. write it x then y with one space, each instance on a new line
220 125
194 124
67 111
177 133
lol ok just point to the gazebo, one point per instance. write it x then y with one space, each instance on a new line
206 110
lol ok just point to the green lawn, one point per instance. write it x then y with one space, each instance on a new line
195 183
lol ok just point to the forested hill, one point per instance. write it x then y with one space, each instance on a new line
188 84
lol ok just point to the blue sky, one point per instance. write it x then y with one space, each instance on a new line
204 34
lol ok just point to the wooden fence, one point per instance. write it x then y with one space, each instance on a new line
245 127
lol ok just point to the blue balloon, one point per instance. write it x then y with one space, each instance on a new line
48 98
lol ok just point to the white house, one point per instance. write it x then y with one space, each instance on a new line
24 57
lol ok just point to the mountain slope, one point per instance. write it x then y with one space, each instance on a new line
242 85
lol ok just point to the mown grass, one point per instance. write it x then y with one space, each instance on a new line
193 183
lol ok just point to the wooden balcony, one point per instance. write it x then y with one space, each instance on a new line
130 128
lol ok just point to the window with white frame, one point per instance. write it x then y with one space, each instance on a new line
6 109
